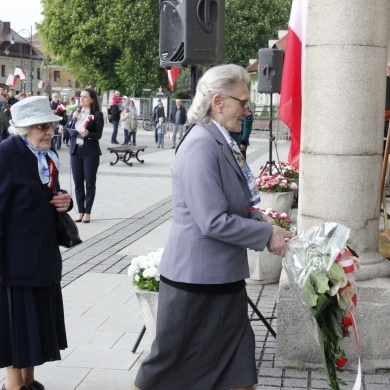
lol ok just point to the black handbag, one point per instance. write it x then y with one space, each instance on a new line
67 231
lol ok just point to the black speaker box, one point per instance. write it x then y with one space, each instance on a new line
192 32
270 70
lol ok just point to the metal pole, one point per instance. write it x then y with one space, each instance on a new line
31 64
21 65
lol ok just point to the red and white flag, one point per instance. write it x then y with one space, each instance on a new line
20 72
173 74
11 80
61 108
41 84
290 109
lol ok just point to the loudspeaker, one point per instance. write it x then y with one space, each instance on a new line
192 32
270 70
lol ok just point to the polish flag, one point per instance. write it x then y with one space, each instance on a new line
173 74
61 108
20 72
41 84
290 109
11 80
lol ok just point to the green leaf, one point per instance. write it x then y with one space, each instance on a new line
336 272
320 280
308 294
322 302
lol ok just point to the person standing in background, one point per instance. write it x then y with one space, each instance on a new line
5 116
133 129
86 128
58 109
161 129
242 138
125 125
158 112
21 96
178 118
115 117
11 97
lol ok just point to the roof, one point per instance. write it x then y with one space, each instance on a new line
21 47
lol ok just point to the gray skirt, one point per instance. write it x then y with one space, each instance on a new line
203 342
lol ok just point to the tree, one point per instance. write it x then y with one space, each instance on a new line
250 24
111 43
114 44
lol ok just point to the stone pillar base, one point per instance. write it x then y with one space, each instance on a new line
295 341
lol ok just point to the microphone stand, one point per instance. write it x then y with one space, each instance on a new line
270 163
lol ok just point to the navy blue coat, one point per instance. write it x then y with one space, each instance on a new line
91 143
29 252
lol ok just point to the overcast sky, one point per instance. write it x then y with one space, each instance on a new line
21 13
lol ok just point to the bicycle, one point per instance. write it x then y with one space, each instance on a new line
148 124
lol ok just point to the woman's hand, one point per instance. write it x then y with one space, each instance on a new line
278 240
267 218
84 133
61 202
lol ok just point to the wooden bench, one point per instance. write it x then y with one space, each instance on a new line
126 152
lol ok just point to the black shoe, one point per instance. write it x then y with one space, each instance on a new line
173 147
35 386
79 219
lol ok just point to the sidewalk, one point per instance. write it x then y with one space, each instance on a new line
131 217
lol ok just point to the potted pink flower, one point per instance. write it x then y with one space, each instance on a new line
276 192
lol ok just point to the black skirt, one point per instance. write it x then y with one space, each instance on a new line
32 326
204 341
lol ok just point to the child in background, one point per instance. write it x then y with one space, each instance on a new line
133 128
161 129
125 124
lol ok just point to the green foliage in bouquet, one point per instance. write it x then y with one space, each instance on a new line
319 264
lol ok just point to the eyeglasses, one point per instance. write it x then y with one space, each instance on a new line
243 103
46 126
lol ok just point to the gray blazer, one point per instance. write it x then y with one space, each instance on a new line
211 222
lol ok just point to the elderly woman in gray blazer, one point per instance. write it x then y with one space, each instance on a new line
204 337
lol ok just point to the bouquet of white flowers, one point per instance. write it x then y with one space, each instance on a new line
320 265
144 271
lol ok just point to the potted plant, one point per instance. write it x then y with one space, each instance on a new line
276 191
265 267
289 171
145 275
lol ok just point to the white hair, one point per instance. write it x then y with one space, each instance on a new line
217 80
18 131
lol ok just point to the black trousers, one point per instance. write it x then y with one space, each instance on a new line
84 169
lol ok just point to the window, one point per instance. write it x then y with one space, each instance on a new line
38 73
2 70
57 75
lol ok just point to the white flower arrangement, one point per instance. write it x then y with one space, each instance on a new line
143 271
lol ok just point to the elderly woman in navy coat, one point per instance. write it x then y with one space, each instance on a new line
32 327
86 128
204 339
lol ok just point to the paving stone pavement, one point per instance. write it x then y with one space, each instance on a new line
131 216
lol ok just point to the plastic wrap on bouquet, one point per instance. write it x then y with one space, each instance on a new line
320 266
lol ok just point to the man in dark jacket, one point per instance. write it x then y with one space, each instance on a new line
178 118
5 116
158 112
115 117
